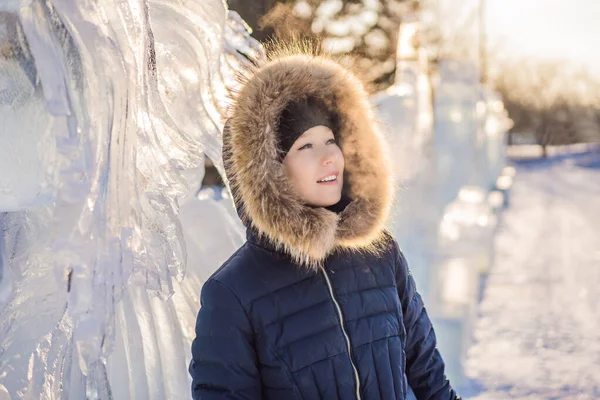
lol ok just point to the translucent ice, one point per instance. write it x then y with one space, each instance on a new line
105 104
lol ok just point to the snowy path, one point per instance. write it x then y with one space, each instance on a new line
538 331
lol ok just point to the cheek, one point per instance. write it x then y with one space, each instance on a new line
305 175
298 171
341 162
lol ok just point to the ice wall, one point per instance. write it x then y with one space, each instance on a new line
105 104
442 218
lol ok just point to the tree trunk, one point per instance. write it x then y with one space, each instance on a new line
252 11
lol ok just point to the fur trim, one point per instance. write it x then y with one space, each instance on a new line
257 178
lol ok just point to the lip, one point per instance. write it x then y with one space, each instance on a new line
334 182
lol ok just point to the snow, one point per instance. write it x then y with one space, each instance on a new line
345 32
339 45
328 8
302 9
537 334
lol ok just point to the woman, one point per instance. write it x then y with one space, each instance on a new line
319 302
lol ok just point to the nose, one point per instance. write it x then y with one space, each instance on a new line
329 157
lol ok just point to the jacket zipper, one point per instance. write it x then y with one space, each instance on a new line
341 318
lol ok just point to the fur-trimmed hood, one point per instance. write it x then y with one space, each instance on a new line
264 197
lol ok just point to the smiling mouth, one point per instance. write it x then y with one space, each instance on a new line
328 179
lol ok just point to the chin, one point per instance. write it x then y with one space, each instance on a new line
326 201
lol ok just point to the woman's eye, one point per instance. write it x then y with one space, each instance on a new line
306 146
331 141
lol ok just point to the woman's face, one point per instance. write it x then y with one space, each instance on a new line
315 167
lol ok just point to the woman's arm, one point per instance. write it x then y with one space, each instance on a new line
224 363
424 364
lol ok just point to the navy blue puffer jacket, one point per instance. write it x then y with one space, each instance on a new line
355 329
319 302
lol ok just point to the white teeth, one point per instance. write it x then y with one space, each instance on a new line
328 178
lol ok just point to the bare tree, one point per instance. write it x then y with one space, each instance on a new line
367 30
558 105
252 11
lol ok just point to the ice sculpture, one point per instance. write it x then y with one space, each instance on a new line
405 112
496 125
442 219
458 135
103 105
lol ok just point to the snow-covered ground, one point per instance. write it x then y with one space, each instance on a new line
537 335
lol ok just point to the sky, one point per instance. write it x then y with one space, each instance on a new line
546 29
549 29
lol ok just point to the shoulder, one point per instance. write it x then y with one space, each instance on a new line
383 252
237 270
389 249
393 255
233 265
250 273
248 261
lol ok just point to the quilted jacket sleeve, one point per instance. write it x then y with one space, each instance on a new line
224 363
424 364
